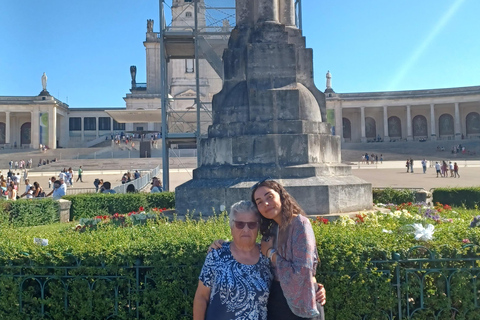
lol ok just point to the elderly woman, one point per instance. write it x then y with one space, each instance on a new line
235 280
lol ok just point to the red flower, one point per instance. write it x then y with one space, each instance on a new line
141 209
325 221
105 217
164 208
359 217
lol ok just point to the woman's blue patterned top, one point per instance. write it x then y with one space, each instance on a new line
238 291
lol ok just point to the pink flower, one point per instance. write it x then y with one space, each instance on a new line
466 241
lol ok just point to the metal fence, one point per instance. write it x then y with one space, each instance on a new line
101 292
139 183
421 284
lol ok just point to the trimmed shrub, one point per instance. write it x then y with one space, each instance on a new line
358 257
99 204
459 197
25 212
394 196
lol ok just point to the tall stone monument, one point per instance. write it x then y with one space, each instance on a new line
269 121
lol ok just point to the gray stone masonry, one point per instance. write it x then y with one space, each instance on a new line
64 210
267 122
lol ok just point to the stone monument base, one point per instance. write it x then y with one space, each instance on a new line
316 195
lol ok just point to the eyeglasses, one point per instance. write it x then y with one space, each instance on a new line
241 224
255 186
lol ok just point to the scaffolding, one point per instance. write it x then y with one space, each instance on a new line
203 40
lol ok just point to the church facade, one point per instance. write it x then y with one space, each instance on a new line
31 121
435 114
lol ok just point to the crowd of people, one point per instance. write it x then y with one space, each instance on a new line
22 164
458 149
371 158
11 187
444 169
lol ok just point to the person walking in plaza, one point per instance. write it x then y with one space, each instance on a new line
411 165
438 168
455 170
408 165
424 165
444 169
80 172
450 167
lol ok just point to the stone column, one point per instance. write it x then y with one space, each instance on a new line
362 123
458 129
433 134
52 128
339 121
7 127
385 124
96 126
244 12
111 125
82 127
35 131
287 12
150 126
129 127
267 10
409 124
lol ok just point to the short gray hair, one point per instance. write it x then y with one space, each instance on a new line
243 206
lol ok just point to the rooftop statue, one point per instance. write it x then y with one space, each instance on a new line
44 82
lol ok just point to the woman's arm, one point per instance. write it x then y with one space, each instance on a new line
297 269
200 302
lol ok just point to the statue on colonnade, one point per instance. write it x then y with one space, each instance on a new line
44 82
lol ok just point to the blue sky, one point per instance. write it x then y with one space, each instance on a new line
86 47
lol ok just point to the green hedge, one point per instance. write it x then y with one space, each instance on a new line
102 265
394 196
459 197
95 204
25 212
174 252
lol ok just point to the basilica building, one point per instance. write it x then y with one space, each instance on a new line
42 119
435 114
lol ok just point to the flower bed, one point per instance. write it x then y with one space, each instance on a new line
133 218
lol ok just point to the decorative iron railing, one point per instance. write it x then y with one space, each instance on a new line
419 284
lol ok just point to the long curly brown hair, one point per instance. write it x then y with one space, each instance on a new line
290 207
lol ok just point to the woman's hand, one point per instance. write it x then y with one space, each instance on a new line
217 244
266 245
321 294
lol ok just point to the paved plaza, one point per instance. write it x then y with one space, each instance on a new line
390 173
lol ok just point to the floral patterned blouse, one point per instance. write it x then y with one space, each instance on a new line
295 267
238 291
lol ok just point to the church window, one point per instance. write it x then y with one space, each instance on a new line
89 124
104 123
118 126
189 66
75 124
